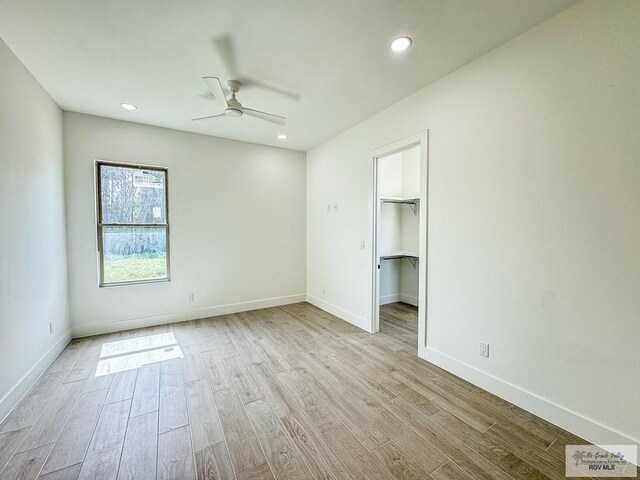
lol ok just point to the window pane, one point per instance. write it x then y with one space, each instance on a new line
132 254
132 195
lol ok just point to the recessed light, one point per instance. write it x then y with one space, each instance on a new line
400 44
282 136
128 106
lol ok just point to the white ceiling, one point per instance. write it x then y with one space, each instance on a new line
328 60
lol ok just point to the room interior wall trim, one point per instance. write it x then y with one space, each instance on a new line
410 299
85 330
559 415
352 318
386 299
21 388
399 297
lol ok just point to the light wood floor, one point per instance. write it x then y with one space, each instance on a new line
283 393
400 321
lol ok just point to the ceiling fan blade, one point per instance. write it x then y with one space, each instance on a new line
206 95
248 82
210 116
226 54
269 117
215 87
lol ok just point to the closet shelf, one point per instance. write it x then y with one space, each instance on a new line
412 257
412 202
404 201
394 255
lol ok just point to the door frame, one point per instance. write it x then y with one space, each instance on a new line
420 139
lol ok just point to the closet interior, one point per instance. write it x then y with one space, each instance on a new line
398 187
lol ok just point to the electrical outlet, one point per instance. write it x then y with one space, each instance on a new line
335 207
191 297
324 289
484 349
362 245
50 327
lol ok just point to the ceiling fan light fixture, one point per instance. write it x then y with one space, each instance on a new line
400 44
128 106
233 112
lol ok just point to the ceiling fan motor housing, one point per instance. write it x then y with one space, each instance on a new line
233 85
234 108
233 112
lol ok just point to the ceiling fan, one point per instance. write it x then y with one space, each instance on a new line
232 107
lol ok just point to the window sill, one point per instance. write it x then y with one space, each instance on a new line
134 282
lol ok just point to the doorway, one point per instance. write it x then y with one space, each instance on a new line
400 240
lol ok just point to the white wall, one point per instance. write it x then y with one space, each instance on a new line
390 226
237 219
33 264
534 225
410 225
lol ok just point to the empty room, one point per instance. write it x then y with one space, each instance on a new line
319 239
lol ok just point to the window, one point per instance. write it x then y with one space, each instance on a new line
133 224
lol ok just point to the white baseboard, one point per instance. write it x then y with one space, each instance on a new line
193 314
411 300
386 299
399 297
22 386
352 318
569 420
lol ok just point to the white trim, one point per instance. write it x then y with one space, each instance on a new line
420 139
569 420
399 297
393 298
193 314
410 299
352 318
28 380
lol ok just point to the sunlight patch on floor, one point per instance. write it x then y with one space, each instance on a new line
138 344
135 352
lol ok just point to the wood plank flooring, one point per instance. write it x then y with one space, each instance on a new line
399 323
280 393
